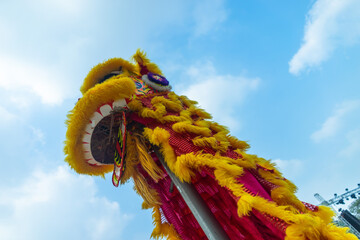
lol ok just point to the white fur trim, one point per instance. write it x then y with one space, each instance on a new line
154 85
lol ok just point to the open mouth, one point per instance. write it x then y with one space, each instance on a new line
100 136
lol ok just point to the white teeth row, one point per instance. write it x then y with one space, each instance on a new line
105 110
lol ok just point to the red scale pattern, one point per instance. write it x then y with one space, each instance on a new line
221 203
311 207
268 186
219 200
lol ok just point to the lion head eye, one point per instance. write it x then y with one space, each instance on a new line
110 75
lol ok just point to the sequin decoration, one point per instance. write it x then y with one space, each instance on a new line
141 87
158 79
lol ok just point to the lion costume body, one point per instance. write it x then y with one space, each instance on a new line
128 111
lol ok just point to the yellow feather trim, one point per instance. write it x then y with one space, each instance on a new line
283 196
247 160
140 57
147 162
218 128
186 126
145 205
199 112
175 98
196 161
102 69
170 105
156 136
187 102
79 117
149 194
162 229
226 173
210 142
160 137
314 229
174 118
132 158
186 114
159 112
325 213
135 105
203 123
237 144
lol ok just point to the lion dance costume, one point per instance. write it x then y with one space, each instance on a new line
128 114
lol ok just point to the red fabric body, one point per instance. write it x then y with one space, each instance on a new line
221 202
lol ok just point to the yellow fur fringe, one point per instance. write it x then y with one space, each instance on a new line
226 170
78 118
162 229
210 142
147 162
149 195
140 57
303 224
160 137
102 69
132 158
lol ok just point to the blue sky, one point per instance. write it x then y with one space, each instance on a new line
282 75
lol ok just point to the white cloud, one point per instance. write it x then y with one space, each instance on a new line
219 95
49 39
290 168
208 15
6 33
353 147
6 116
69 7
38 134
332 124
330 24
58 205
29 80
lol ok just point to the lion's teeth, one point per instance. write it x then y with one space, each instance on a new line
89 129
105 110
92 161
119 103
87 138
88 155
96 118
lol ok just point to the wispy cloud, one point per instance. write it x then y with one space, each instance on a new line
67 7
44 46
32 80
39 135
333 123
58 205
330 24
218 94
208 16
290 168
353 146
6 116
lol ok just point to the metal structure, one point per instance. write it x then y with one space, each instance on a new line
351 219
339 199
344 215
